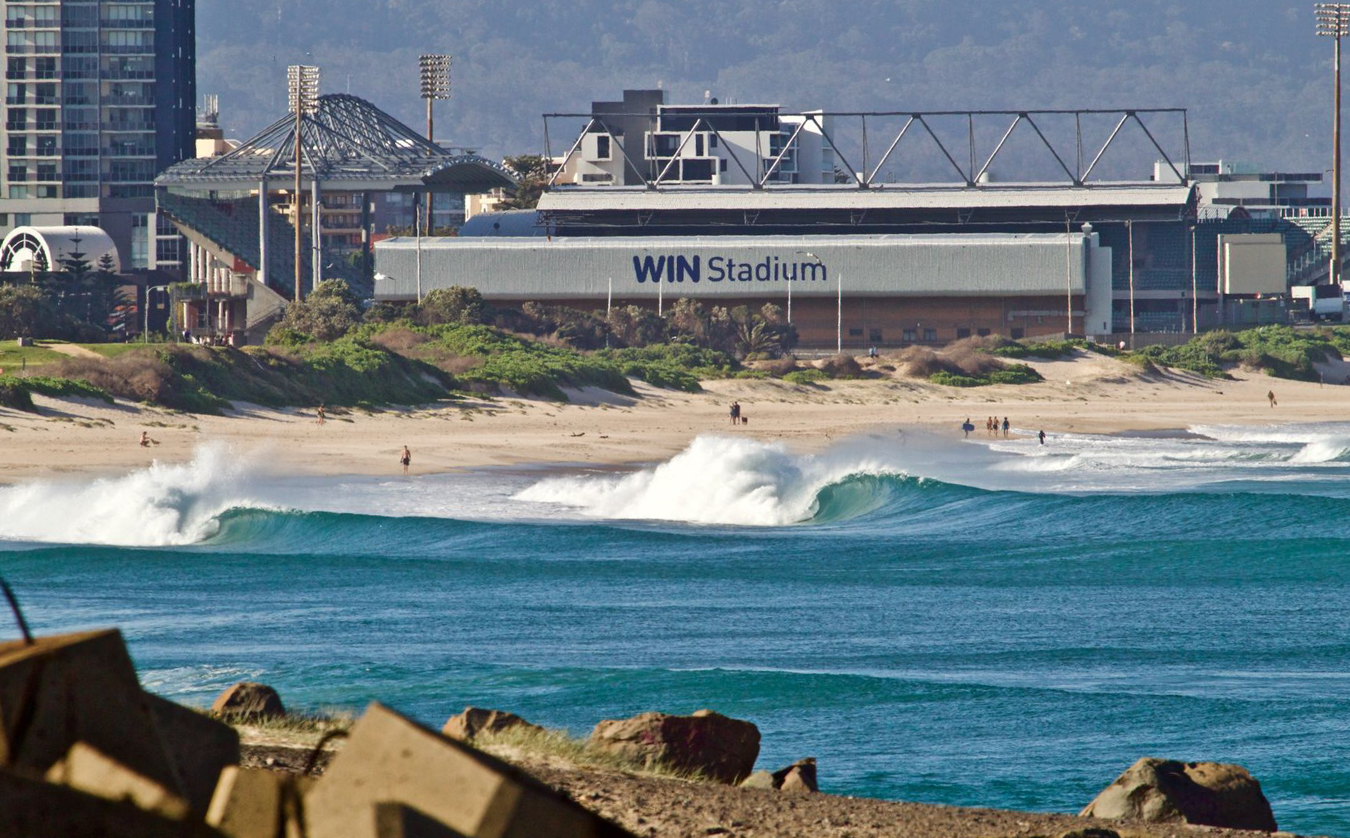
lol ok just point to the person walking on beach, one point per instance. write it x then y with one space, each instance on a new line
735 413
1005 427
1270 394
319 414
406 459
967 427
1042 436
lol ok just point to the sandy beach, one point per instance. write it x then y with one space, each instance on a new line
1086 394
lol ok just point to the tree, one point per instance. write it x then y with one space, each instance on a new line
455 304
326 314
636 326
26 312
533 172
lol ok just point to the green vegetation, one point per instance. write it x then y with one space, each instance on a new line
1010 374
1035 349
1278 351
557 745
677 366
806 376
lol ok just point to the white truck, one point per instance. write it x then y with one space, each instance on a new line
1325 302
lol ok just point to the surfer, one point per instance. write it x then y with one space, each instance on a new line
967 427
406 459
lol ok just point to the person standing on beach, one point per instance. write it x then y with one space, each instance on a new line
320 415
1270 394
735 413
1042 436
406 459
1005 427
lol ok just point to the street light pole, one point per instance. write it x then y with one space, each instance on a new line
303 93
1333 21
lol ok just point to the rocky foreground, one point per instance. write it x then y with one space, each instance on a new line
672 808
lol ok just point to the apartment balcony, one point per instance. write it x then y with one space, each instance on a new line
129 125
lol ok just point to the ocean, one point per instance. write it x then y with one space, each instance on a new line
982 621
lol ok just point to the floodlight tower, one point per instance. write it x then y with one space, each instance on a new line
303 95
435 85
1333 21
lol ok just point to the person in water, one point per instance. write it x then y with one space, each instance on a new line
1042 436
1005 426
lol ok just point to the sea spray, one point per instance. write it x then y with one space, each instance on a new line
716 480
162 505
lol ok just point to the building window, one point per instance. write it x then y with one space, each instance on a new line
23 219
602 149
907 336
855 333
1018 333
18 146
712 141
984 333
874 335
44 68
929 335
962 333
140 241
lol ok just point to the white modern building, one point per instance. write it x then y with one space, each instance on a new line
641 140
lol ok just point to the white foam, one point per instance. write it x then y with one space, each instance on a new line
158 506
716 480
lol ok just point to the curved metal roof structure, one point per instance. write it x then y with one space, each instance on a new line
56 243
347 144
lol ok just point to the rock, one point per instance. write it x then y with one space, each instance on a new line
250 699
800 776
759 780
1200 793
720 748
476 720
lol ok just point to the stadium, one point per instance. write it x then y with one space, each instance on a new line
627 221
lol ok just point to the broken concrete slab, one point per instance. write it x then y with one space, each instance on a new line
199 746
68 688
254 802
93 772
36 809
389 758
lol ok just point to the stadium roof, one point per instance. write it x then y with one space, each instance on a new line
847 196
728 210
350 145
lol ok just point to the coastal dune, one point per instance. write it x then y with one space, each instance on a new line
1087 394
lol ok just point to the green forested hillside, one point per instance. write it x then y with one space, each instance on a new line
1253 74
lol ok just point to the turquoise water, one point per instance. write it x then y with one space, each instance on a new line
981 622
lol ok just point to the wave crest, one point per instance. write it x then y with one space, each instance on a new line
721 480
158 506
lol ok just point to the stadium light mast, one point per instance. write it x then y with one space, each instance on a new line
302 84
1333 21
435 85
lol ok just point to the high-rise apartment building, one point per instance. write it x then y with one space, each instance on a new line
99 98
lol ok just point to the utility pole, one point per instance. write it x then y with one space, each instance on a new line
435 85
1333 21
303 94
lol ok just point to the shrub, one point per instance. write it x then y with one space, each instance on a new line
327 314
15 396
841 366
953 380
806 376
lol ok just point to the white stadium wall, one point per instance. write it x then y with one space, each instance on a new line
707 268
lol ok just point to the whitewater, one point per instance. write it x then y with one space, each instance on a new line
985 621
